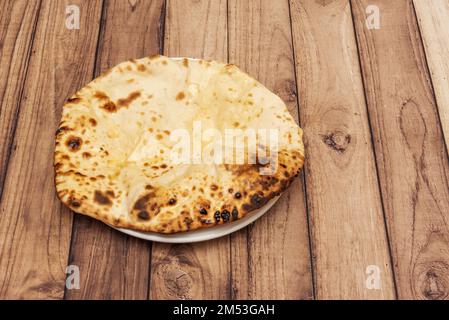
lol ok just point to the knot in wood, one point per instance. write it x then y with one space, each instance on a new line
337 140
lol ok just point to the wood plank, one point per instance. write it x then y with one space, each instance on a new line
270 259
116 266
17 26
411 156
433 19
199 270
34 227
347 226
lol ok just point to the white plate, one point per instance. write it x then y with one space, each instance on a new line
202 234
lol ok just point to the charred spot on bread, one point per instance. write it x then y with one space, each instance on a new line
109 106
225 215
73 100
141 203
143 215
101 198
235 214
110 193
73 143
61 130
101 95
124 102
86 155
180 95
73 202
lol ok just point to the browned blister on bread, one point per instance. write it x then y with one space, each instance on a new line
116 140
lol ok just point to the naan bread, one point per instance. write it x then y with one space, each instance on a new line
113 145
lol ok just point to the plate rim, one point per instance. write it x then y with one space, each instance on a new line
183 237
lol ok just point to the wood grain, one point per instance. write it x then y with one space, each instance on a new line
199 270
412 159
17 25
116 266
366 161
34 228
347 227
270 259
433 19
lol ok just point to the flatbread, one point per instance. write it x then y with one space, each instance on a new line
114 146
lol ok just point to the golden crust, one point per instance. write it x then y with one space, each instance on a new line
115 173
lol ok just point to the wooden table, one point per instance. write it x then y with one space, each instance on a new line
369 217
